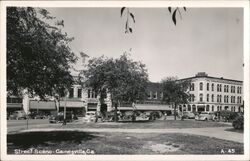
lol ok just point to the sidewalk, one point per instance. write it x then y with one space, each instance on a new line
216 132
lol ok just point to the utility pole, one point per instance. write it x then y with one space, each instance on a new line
65 105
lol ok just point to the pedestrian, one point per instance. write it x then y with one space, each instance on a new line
165 116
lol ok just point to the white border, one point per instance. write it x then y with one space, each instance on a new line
4 4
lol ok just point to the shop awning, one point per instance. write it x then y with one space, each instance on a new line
72 104
148 107
42 105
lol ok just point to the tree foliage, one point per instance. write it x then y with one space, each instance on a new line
125 79
130 16
38 53
175 91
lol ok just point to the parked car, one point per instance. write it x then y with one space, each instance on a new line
17 115
188 115
205 116
90 116
59 117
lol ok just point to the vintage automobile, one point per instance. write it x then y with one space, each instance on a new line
90 116
17 115
59 117
188 115
205 116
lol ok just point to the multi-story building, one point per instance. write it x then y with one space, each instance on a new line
213 94
206 94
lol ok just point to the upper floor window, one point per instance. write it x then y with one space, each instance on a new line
239 89
212 87
225 88
212 98
218 88
79 93
149 95
207 86
71 92
201 97
192 87
218 98
155 95
207 97
201 86
88 93
192 97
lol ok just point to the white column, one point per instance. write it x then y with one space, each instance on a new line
98 108
26 101
109 102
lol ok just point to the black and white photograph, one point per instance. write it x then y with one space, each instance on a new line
146 80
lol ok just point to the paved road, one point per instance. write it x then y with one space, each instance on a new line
14 125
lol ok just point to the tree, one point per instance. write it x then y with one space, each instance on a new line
38 54
130 16
175 92
125 79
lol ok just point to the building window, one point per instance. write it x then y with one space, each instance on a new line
192 87
212 87
155 95
189 107
88 93
218 88
79 93
207 97
192 97
207 86
240 100
225 99
207 108
212 98
212 108
227 88
201 97
240 90
201 86
149 95
71 92
218 108
218 98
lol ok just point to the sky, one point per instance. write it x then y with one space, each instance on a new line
204 40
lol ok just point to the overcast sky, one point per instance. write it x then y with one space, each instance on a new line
205 39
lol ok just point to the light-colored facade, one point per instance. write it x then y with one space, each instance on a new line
214 94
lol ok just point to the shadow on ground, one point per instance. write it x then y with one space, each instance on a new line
31 139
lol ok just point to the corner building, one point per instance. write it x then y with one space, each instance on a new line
213 94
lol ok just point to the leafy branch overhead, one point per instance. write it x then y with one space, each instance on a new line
130 16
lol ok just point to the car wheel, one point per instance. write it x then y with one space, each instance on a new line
205 119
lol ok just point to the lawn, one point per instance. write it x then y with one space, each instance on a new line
158 124
119 143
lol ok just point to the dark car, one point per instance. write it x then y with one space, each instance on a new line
59 117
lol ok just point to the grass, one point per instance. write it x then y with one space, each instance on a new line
159 124
121 143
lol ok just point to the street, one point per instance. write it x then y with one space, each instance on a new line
15 125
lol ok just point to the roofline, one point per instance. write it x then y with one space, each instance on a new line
212 78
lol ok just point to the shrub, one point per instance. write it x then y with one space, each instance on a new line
238 123
226 115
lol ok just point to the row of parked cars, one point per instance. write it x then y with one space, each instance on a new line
202 116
